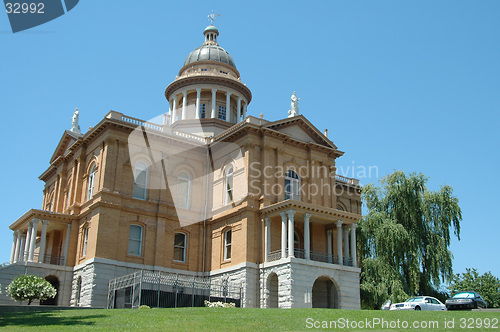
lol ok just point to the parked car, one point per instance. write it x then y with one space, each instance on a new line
419 303
386 305
465 300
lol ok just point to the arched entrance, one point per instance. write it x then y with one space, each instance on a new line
272 287
54 281
324 293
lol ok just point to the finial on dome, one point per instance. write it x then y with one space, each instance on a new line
211 31
212 17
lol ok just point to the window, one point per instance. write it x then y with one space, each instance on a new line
183 190
229 184
85 240
68 195
204 69
227 245
135 240
180 247
203 111
292 185
222 113
140 180
91 182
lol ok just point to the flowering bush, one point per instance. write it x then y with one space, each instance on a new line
219 304
29 287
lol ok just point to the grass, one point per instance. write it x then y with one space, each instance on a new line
227 319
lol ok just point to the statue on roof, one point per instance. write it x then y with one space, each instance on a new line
75 127
294 108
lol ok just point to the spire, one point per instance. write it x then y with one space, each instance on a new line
211 31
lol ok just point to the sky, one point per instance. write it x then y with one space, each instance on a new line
400 85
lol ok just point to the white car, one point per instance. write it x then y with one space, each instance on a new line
419 303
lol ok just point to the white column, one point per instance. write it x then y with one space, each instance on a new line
307 245
43 241
18 245
184 105
339 242
346 243
27 242
174 110
214 103
329 235
170 112
244 110
291 236
228 106
13 251
267 238
238 110
283 234
66 244
198 95
33 240
353 245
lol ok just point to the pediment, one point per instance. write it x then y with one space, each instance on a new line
299 128
66 141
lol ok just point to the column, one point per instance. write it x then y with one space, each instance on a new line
238 110
174 110
66 244
169 112
184 105
18 245
214 103
13 250
291 236
353 245
43 241
339 242
283 234
307 245
33 240
244 110
228 106
198 94
267 238
27 242
346 244
329 235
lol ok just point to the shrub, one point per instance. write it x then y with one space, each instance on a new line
30 288
144 307
219 304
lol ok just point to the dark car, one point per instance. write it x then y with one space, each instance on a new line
465 300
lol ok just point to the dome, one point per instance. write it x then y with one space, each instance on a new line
210 53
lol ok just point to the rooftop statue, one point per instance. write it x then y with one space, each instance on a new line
75 127
294 108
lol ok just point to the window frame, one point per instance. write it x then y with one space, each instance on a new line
203 111
144 169
133 239
85 241
91 181
229 189
293 180
222 114
186 178
228 245
184 248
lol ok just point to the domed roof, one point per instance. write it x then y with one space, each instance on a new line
210 52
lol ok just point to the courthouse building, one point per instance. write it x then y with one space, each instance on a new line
205 191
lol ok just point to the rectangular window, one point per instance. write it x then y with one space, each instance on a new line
222 113
135 240
140 180
203 110
85 240
227 245
180 247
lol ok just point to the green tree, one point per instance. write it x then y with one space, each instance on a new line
404 239
30 288
487 285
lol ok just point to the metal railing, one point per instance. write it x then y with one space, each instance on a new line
313 255
46 259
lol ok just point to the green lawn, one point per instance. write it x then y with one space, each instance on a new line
235 319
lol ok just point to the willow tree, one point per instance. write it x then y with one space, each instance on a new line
404 238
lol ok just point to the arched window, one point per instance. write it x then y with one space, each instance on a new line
140 180
91 182
135 240
180 247
292 185
229 184
227 245
85 240
183 184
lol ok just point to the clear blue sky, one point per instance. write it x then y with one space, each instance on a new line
401 85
